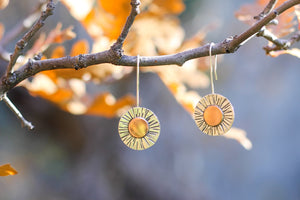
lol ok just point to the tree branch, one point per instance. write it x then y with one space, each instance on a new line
117 46
266 10
261 23
229 45
268 35
115 54
279 44
13 108
32 31
282 44
20 27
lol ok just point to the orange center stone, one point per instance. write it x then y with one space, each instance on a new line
213 115
138 127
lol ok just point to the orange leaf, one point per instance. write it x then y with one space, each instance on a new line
58 52
152 35
115 7
3 4
117 12
93 22
7 169
1 30
293 52
168 6
106 105
59 97
80 47
297 12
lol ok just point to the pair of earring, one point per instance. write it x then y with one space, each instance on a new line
139 127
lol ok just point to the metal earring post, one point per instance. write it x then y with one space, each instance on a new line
212 69
139 128
138 81
214 114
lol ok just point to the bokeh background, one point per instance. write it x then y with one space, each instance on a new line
82 157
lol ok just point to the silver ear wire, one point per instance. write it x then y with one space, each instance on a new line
213 70
214 114
138 80
139 127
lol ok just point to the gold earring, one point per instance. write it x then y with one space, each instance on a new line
139 127
214 114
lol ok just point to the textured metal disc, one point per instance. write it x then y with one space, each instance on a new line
139 128
214 114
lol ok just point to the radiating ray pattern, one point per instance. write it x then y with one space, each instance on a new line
226 107
153 132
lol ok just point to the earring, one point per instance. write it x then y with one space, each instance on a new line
139 127
214 114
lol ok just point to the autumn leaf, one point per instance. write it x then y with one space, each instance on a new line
7 170
153 35
80 47
162 7
58 52
116 14
3 4
119 7
297 12
78 8
293 52
1 30
70 95
93 22
106 105
240 136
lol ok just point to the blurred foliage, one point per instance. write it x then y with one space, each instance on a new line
7 169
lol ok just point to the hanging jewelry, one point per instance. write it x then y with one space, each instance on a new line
139 127
214 114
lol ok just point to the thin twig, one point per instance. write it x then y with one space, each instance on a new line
283 43
268 35
24 122
20 27
269 7
260 24
117 46
32 31
279 44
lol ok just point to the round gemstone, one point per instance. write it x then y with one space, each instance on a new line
138 127
213 115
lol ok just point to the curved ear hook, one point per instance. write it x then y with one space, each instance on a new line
212 68
138 81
